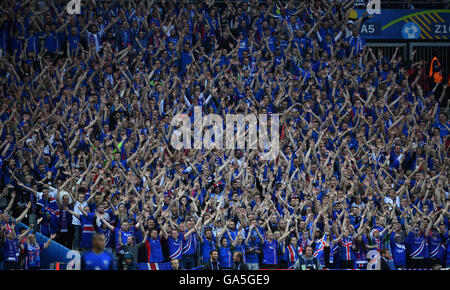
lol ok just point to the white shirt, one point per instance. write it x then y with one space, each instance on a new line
75 220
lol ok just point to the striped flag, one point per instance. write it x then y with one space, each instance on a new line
374 257
154 266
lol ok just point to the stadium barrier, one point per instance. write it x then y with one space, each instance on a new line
166 266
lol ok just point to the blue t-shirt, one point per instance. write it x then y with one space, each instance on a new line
175 247
252 257
156 254
270 252
102 261
190 245
417 246
398 251
207 247
225 257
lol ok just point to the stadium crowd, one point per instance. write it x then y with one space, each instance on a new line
86 106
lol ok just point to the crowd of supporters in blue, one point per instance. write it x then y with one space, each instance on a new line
86 103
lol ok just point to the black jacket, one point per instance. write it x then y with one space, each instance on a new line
240 266
212 266
384 265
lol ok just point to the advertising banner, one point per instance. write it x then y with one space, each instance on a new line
403 24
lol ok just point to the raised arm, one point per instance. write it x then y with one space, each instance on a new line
72 212
24 213
47 244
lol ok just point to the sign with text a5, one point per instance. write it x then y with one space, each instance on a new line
407 24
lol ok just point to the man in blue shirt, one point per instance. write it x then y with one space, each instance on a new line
398 250
269 249
153 248
189 246
174 242
416 247
208 244
98 258
253 248
356 42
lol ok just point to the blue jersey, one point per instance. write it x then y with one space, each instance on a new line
154 247
108 236
175 247
241 248
254 234
269 250
11 250
102 261
88 230
398 252
207 247
251 256
233 234
225 257
124 236
436 248
190 244
417 246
